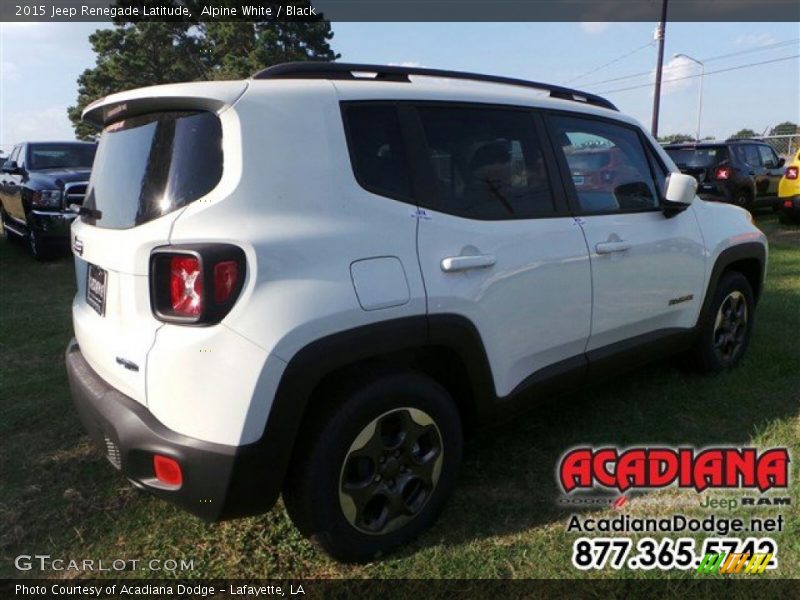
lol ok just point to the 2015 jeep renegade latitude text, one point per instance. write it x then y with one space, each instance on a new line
317 281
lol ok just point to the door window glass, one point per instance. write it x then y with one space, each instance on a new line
607 163
487 163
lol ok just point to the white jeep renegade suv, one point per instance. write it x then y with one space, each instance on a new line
316 281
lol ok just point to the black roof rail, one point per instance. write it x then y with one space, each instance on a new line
346 71
744 139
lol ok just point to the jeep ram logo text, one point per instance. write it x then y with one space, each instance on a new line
661 467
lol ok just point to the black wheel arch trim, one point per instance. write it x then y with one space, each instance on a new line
310 365
728 257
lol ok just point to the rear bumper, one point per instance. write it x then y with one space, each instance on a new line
714 191
790 206
219 481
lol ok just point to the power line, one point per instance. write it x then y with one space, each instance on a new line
709 59
736 68
616 60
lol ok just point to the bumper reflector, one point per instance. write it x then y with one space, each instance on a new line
167 470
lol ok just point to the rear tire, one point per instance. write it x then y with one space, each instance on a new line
725 333
743 199
375 466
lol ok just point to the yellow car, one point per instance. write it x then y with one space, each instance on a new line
789 192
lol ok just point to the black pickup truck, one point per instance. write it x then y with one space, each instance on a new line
38 184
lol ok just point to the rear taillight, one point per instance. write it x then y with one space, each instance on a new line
722 173
186 285
226 276
792 173
195 284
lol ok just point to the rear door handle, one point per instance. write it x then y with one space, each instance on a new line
454 264
610 247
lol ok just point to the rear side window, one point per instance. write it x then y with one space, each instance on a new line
150 165
487 163
377 149
748 154
609 168
768 157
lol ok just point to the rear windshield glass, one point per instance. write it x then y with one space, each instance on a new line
151 165
60 156
709 156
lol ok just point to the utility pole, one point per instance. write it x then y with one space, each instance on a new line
661 33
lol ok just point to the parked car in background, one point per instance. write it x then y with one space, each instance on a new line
38 184
744 172
789 192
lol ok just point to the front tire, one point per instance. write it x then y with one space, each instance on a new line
375 465
38 247
725 334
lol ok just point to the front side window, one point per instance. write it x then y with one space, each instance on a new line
150 165
607 163
60 156
487 163
377 149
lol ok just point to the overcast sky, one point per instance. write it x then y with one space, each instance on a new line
41 62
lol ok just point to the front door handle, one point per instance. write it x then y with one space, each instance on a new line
454 264
610 247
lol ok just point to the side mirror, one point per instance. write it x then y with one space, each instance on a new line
11 167
679 193
781 162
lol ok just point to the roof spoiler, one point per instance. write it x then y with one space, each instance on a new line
212 96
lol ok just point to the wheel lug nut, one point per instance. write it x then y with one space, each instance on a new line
383 459
377 477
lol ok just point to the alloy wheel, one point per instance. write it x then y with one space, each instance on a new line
730 327
390 470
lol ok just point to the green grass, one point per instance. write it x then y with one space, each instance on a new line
59 497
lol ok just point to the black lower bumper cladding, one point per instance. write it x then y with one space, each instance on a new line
219 481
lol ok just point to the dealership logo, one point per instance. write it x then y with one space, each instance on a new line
749 564
649 468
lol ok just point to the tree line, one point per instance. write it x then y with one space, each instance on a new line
137 54
785 128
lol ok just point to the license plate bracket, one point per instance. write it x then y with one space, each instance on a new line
96 283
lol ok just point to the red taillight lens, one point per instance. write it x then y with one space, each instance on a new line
723 173
787 204
226 276
167 470
196 284
792 173
186 285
